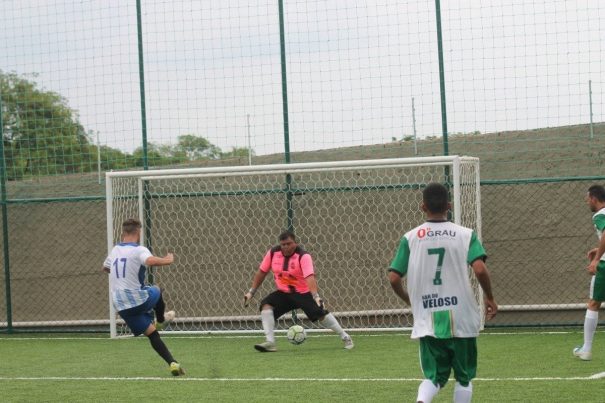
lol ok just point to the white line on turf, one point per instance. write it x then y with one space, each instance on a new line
190 379
256 336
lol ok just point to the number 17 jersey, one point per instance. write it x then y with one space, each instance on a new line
435 257
126 263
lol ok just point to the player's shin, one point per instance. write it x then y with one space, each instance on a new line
268 324
330 322
590 326
427 391
159 346
159 308
463 394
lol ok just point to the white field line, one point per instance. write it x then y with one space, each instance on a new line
256 336
190 379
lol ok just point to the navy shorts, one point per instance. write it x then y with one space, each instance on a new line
140 317
283 302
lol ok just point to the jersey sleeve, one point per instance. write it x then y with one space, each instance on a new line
475 250
144 254
599 222
402 258
306 265
109 259
265 265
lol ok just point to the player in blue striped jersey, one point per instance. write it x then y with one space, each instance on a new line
132 299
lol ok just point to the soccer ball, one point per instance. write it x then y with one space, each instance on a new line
296 334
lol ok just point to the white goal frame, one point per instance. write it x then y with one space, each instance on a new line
453 163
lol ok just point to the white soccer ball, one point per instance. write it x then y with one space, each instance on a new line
296 334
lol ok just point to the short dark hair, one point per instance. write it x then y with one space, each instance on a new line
131 226
598 192
287 234
435 198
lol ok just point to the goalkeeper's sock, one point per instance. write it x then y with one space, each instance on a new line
159 308
159 346
463 394
590 326
330 322
427 391
268 324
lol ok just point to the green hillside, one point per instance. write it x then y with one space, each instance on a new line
566 151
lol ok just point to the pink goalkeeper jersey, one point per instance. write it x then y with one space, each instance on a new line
289 272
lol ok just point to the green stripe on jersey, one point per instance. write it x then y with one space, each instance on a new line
402 258
475 249
599 222
442 324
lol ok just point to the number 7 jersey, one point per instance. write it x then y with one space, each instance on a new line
435 257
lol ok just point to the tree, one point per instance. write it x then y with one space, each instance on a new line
197 147
41 134
159 155
238 152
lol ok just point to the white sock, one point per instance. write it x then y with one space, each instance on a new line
268 324
590 326
463 394
330 322
427 391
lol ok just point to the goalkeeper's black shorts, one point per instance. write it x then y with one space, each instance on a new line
283 302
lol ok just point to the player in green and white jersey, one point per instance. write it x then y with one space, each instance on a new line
435 257
595 198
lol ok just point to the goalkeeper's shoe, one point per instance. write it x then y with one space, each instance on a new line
176 369
581 354
266 347
168 317
348 342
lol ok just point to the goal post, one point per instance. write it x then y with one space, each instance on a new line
220 221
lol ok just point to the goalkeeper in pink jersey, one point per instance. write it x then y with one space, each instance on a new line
296 286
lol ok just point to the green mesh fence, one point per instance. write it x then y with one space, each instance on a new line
89 87
3 310
537 236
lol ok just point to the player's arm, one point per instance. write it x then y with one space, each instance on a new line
397 286
308 271
258 279
482 274
314 289
159 261
399 268
107 265
596 256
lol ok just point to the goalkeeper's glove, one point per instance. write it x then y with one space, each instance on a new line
248 296
318 300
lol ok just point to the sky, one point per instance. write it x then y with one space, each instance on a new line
212 68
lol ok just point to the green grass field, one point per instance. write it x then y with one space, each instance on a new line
522 366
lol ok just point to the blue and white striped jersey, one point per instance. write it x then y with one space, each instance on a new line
126 263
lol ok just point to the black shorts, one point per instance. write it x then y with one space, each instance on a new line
283 302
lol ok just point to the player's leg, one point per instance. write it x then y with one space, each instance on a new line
427 390
140 321
272 307
464 364
597 294
435 363
162 318
326 319
145 321
159 307
158 345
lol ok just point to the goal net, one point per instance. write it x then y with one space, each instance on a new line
219 222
